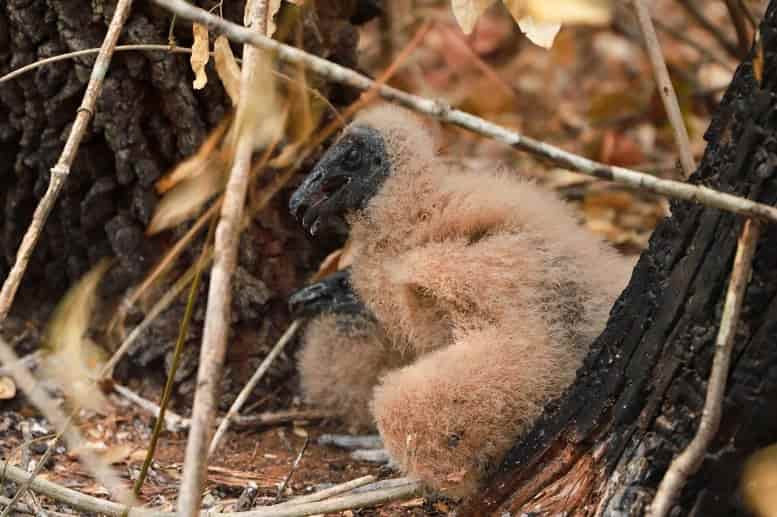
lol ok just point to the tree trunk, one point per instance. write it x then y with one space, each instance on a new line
603 448
148 118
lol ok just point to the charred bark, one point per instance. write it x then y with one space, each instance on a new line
603 447
148 118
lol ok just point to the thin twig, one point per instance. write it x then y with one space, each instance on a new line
41 400
88 503
183 333
281 417
342 488
665 87
217 315
61 170
176 423
740 25
173 422
234 410
148 47
696 13
163 303
294 467
445 113
710 54
688 462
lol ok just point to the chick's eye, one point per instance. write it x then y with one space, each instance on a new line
352 159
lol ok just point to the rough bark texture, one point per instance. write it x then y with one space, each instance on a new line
603 448
148 118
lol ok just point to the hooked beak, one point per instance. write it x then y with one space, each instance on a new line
312 203
333 293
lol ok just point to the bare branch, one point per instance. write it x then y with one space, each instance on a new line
665 87
234 410
61 170
214 338
445 113
405 490
688 462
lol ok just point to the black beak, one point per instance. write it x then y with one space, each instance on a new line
332 294
305 195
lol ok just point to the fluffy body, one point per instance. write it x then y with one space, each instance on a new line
486 283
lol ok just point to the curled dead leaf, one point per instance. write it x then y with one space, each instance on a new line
188 196
227 68
540 20
467 12
196 164
7 388
200 55
272 9
541 34
261 113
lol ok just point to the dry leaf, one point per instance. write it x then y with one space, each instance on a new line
116 453
261 113
272 9
196 164
759 482
227 68
592 12
7 388
200 55
467 12
540 20
541 34
187 197
73 360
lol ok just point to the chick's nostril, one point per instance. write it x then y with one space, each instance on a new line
334 183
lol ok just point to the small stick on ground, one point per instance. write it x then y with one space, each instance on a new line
173 422
441 111
281 417
217 317
665 87
688 462
61 170
87 503
293 469
332 491
250 385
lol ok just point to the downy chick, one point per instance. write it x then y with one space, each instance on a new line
483 280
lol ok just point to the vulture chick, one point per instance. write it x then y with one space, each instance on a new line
478 294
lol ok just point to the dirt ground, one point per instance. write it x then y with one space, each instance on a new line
592 94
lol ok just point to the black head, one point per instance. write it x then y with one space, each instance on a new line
343 181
